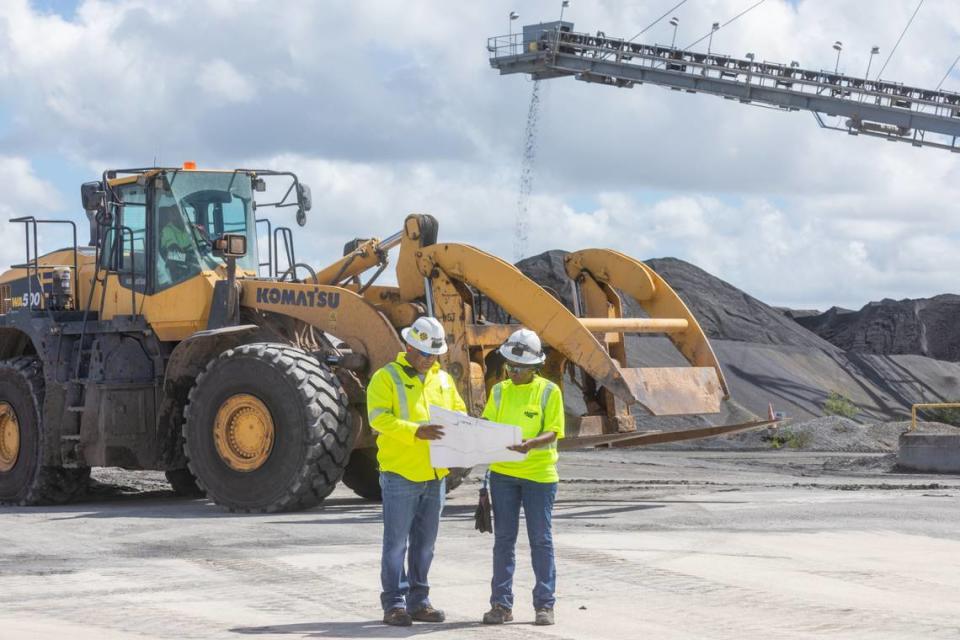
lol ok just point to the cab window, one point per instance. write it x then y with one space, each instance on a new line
125 244
215 203
178 244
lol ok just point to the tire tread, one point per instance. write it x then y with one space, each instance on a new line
328 432
50 484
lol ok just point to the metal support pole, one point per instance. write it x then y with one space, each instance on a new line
713 29
428 295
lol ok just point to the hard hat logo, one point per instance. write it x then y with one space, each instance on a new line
427 335
523 347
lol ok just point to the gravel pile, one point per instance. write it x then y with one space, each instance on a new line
829 433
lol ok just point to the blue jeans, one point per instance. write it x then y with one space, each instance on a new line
411 513
508 494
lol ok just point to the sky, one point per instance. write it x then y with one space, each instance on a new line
387 108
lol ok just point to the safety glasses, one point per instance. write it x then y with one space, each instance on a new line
424 354
517 368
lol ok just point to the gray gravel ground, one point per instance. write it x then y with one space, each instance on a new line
650 544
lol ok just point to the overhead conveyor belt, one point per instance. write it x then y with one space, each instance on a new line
894 111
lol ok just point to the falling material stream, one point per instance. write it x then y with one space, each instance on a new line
526 174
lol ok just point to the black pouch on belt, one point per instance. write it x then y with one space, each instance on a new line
483 517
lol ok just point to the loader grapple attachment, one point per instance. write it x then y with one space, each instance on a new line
593 342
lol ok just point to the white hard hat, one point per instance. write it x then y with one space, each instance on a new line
426 334
523 347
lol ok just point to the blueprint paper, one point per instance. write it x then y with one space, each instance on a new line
469 441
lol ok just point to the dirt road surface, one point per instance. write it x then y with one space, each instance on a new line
650 544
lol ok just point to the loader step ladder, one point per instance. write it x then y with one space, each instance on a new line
75 398
889 110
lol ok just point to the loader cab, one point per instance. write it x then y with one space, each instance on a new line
159 226
163 228
165 237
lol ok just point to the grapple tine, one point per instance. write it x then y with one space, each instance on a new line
666 391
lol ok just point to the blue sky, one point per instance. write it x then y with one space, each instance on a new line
65 8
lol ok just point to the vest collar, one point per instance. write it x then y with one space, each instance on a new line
410 370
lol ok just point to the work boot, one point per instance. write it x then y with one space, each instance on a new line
397 617
544 617
498 614
427 613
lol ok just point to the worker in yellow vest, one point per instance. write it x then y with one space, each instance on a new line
398 407
534 404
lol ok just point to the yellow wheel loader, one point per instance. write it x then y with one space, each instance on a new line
167 343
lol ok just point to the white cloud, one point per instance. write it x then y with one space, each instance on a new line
24 194
387 108
222 81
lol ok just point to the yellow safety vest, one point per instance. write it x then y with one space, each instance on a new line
174 235
535 407
398 402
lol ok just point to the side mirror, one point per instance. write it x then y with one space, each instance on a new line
306 200
92 196
94 203
306 203
230 245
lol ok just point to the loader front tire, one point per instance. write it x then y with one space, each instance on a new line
24 479
266 429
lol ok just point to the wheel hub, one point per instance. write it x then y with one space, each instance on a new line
243 432
9 437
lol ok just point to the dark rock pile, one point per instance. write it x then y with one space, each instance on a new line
927 327
727 313
769 358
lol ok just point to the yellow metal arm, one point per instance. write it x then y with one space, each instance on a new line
366 256
529 303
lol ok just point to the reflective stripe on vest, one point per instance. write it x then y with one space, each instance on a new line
544 398
497 392
393 370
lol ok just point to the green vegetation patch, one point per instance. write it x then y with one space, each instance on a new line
838 404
